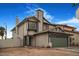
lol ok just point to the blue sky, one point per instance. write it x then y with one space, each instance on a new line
55 13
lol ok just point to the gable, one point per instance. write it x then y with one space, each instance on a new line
57 29
46 21
33 19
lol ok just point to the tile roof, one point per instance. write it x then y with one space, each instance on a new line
49 31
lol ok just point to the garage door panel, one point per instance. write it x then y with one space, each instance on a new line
59 42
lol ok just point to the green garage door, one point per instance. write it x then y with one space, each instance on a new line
59 42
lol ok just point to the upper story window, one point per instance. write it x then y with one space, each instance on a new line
46 27
32 26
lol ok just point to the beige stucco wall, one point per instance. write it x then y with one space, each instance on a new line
40 26
45 27
75 36
10 43
76 40
25 28
31 32
40 40
17 37
22 31
34 41
14 34
51 27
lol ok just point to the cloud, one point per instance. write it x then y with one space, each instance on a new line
72 22
31 8
47 15
9 34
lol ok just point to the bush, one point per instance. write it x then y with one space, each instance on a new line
48 46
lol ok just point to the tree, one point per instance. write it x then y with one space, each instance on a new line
77 11
75 4
2 31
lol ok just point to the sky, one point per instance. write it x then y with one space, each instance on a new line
60 13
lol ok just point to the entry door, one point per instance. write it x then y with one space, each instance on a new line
30 40
25 41
59 42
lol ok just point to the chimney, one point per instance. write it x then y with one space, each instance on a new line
39 16
17 22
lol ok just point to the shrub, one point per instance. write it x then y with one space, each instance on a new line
48 46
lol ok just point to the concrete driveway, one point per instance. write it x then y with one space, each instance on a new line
37 52
76 49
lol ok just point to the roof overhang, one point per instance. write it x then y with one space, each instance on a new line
44 32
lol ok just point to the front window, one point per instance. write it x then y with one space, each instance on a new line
32 26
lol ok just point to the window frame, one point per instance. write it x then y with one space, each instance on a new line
30 29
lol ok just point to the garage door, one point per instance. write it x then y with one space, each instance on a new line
59 42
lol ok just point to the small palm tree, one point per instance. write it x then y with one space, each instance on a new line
2 31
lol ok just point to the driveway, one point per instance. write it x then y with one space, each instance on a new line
76 49
37 52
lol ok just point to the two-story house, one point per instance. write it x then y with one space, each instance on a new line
37 31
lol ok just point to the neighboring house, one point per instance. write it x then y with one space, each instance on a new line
38 32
